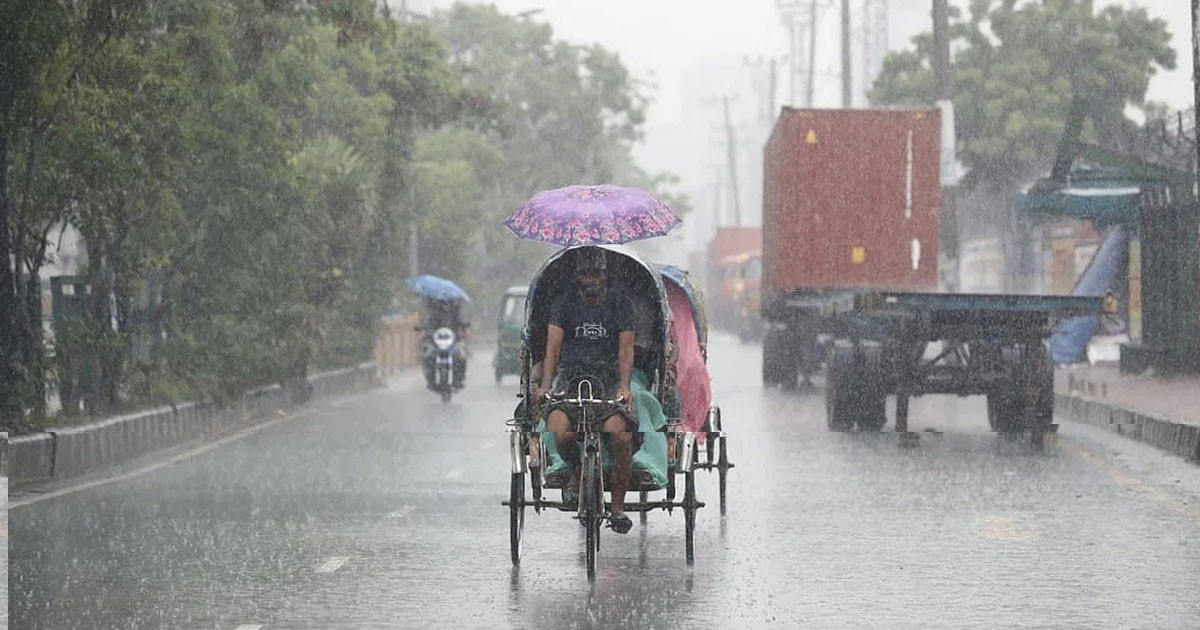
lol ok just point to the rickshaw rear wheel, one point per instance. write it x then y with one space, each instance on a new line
689 516
643 516
516 516
722 458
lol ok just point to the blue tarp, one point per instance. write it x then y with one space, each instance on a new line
1068 343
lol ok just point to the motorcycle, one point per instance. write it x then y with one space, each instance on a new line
443 352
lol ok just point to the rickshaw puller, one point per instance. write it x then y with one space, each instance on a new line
592 331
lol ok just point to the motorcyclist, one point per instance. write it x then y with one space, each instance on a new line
443 314
591 330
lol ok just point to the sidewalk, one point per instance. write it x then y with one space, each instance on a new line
1161 411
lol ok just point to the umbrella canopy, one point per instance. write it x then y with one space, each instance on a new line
592 215
437 288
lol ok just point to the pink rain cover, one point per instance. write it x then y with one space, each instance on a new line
691 374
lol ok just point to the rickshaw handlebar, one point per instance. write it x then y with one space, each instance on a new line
580 401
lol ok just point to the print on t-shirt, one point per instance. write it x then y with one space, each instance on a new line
592 331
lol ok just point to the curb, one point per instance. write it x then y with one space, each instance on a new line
72 451
1173 437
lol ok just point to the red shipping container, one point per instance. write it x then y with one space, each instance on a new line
733 240
851 199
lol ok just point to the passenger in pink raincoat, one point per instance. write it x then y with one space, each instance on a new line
691 373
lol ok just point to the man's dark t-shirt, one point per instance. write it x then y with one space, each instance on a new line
590 332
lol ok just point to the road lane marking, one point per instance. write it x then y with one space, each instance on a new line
1155 495
249 626
244 433
401 513
454 474
1004 527
332 564
486 445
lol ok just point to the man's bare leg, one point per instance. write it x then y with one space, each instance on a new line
558 424
621 442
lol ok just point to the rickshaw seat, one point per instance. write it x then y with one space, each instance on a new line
649 461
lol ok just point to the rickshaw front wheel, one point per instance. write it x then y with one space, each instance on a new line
591 509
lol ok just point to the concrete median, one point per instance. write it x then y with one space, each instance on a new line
1178 438
72 451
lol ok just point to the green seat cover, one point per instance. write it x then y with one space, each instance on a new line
652 456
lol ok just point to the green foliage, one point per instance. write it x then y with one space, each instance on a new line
1016 66
245 175
562 114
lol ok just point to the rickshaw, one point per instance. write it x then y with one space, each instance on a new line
691 373
508 332
667 448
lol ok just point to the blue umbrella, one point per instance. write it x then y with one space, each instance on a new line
437 288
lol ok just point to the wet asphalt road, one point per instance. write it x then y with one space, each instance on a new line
383 511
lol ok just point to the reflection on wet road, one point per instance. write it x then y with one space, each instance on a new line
383 511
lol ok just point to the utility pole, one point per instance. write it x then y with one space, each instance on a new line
875 41
731 159
941 50
867 51
793 58
791 13
944 97
765 88
1196 73
812 53
718 215
771 94
847 95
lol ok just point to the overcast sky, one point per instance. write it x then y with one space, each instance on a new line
696 52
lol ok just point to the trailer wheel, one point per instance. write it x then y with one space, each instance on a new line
839 390
854 391
872 410
1005 413
778 368
1016 409
1043 407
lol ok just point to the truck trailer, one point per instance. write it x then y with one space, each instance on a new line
850 256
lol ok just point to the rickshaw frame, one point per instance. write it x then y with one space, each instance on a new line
527 448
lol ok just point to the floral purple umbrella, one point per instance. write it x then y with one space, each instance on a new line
592 215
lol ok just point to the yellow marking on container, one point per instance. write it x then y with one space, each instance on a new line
858 255
810 137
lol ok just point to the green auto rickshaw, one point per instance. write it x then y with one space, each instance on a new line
508 338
